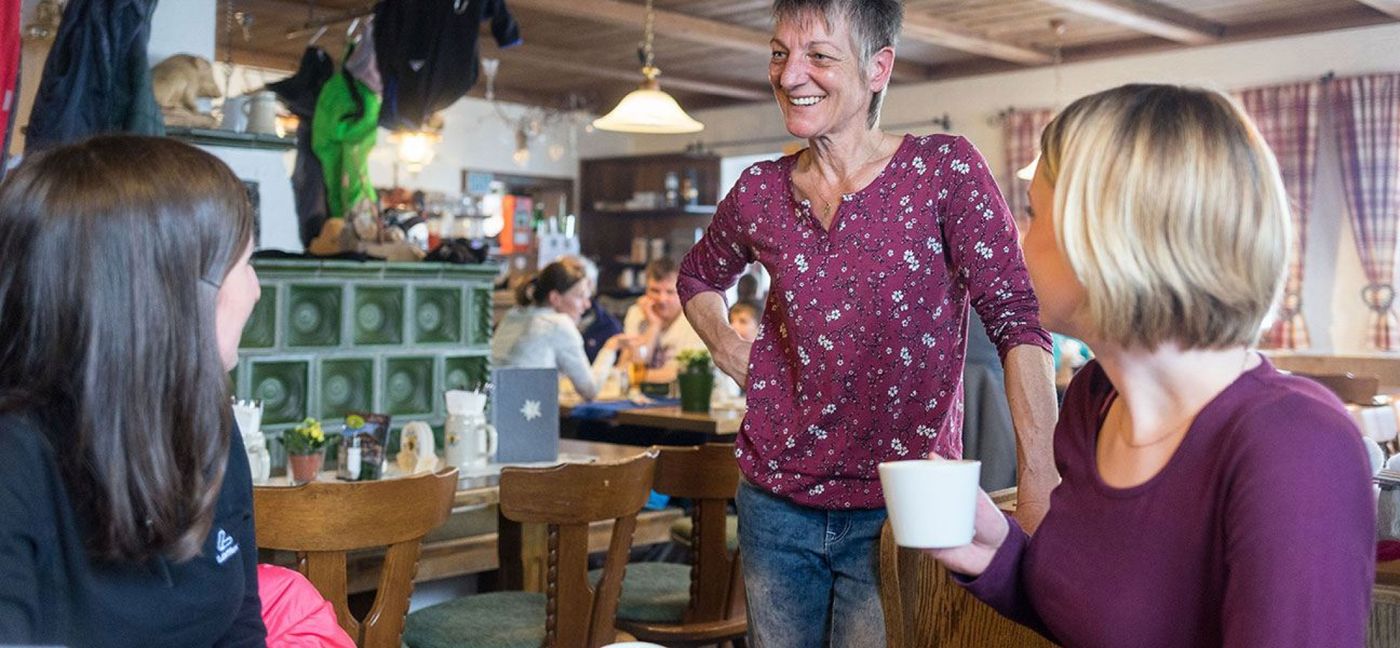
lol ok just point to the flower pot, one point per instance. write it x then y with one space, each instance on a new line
695 391
304 467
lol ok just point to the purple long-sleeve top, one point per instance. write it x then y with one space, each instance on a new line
859 355
1259 531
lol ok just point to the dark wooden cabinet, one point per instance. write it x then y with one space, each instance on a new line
608 224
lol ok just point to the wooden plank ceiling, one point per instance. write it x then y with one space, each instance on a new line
714 52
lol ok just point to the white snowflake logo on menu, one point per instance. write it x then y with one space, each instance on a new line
531 410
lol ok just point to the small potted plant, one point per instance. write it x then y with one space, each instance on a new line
697 379
306 450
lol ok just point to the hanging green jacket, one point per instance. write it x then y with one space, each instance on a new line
342 134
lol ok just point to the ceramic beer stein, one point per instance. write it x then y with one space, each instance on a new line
471 441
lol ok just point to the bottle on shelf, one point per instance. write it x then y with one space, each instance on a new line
673 189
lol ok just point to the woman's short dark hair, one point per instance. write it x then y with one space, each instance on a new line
111 254
558 276
875 24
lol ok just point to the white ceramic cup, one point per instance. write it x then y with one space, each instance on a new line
931 502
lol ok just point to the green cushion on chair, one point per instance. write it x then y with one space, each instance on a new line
681 529
655 592
495 620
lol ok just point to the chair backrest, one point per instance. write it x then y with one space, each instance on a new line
1349 387
709 475
924 607
321 521
1383 630
567 498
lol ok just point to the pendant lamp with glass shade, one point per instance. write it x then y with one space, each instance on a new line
647 109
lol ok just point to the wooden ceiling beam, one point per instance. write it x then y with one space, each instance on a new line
1388 7
1153 19
559 61
686 27
927 29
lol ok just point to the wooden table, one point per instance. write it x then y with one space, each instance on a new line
481 552
716 423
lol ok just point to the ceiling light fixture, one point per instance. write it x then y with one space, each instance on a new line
647 109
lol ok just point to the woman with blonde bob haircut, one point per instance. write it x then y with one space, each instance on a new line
1206 499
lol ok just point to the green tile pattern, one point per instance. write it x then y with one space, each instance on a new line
481 321
378 316
283 389
437 315
465 372
261 330
332 336
409 387
346 385
313 316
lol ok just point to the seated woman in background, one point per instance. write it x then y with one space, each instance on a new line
542 332
1206 499
126 499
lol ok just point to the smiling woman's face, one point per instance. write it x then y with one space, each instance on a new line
817 77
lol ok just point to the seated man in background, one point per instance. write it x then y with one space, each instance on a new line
596 325
654 327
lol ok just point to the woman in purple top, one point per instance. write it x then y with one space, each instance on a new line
1207 499
877 244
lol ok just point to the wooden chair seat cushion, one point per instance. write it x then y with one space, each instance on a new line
652 592
494 620
683 527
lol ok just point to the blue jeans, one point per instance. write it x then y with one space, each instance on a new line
811 575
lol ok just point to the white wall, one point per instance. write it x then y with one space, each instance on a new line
183 27
1333 282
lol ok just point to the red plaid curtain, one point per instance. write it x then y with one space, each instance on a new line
1021 129
1287 117
1366 114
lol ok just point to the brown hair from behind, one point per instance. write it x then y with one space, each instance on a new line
559 276
111 254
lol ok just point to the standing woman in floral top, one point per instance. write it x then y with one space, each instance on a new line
877 244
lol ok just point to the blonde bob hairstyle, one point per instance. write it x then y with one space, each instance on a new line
1171 212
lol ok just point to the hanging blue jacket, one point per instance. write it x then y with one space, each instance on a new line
96 79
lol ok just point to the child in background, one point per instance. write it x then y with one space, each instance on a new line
727 394
743 316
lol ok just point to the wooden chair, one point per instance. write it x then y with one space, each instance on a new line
924 607
321 521
571 613
1384 627
1349 387
702 603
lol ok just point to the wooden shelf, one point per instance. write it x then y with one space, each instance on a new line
230 139
690 210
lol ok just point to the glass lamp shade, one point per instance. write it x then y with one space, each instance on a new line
1028 172
648 110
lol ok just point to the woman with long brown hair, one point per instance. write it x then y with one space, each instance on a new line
125 502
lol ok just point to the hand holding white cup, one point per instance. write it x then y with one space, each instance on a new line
932 503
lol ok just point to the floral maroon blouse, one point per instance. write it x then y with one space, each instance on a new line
859 356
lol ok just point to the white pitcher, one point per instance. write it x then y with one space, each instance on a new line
471 441
259 460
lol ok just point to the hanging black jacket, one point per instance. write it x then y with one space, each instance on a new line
96 79
299 92
427 53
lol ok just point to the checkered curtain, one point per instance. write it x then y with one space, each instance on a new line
1021 129
1366 115
1287 117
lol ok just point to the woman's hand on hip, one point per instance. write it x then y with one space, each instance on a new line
990 531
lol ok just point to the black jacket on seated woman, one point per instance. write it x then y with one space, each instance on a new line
125 497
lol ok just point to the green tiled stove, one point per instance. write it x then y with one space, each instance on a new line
329 337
